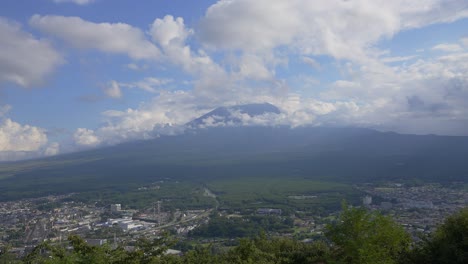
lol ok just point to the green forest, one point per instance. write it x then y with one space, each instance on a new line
357 236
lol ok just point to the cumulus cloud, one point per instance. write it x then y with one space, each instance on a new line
397 59
117 38
448 47
214 81
85 137
171 34
113 90
168 113
169 31
78 2
253 67
16 137
4 109
311 62
148 84
19 141
431 92
464 41
25 60
136 67
52 149
164 114
316 27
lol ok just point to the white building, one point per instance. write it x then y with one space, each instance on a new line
116 208
367 200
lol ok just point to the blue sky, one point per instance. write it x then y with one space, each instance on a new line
78 74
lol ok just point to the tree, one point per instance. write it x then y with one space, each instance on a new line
449 244
146 251
6 256
363 237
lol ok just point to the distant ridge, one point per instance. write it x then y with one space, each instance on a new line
226 114
347 155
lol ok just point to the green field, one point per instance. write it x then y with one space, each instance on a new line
256 192
243 193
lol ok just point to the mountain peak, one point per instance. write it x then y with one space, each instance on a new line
230 115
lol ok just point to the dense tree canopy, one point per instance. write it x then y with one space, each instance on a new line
448 245
367 237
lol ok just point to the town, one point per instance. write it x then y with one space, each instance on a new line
26 223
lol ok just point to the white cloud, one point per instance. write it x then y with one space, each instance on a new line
16 137
311 62
52 150
171 34
166 111
113 90
18 141
165 114
85 137
342 29
118 38
4 109
78 2
464 41
253 67
25 60
246 24
148 84
445 47
169 31
397 59
133 66
429 92
426 12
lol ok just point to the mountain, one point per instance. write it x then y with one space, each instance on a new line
348 155
227 115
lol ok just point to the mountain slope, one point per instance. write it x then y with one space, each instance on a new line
338 154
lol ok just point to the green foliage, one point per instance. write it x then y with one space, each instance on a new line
7 257
448 245
367 237
200 256
182 195
146 251
278 250
272 191
242 226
